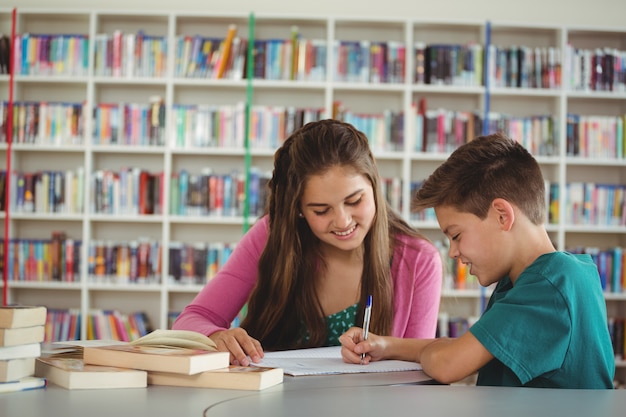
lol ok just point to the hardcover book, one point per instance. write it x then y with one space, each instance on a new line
174 351
22 316
72 373
234 377
21 335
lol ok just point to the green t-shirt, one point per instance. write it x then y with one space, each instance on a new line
550 329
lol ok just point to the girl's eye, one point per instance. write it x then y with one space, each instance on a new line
355 202
456 237
321 213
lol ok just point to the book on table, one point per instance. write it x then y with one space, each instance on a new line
22 316
21 335
73 373
234 377
13 369
29 350
164 351
23 384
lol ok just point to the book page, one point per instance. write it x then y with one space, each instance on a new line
327 361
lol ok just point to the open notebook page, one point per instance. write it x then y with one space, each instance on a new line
326 361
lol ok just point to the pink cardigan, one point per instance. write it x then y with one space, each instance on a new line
416 272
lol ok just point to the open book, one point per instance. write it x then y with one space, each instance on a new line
177 351
326 361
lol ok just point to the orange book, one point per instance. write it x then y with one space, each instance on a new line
223 59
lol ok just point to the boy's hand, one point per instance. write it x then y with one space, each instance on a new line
353 345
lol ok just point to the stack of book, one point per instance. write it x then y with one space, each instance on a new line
22 331
164 357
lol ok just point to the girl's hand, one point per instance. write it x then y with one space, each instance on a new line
241 346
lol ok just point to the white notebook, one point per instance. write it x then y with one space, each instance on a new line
326 361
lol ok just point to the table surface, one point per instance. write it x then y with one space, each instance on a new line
396 393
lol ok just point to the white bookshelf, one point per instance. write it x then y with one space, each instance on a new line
157 299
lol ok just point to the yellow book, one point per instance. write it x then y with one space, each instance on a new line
225 52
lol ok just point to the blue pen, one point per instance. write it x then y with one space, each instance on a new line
366 322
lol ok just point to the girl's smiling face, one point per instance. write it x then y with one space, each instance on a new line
339 207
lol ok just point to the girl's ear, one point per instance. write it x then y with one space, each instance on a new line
505 212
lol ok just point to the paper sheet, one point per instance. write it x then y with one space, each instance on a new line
327 361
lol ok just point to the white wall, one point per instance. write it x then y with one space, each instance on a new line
611 13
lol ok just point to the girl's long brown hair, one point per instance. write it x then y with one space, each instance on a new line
285 298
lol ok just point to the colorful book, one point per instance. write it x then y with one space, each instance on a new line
21 335
22 316
14 369
23 384
234 377
165 351
73 373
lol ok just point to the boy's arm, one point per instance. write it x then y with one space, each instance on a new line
450 360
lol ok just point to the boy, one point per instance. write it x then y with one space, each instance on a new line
545 324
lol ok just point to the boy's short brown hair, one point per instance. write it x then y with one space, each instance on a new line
486 168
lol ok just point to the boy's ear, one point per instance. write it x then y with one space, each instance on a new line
505 212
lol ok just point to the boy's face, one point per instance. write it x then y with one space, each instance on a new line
475 242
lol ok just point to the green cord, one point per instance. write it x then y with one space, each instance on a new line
248 157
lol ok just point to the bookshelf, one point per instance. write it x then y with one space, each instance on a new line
322 91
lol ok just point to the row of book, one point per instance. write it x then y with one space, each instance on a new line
65 325
294 58
211 57
601 69
43 122
46 191
51 54
611 264
137 124
55 259
130 54
524 67
370 61
590 203
448 64
442 130
385 130
222 126
436 130
21 335
596 136
136 261
131 262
